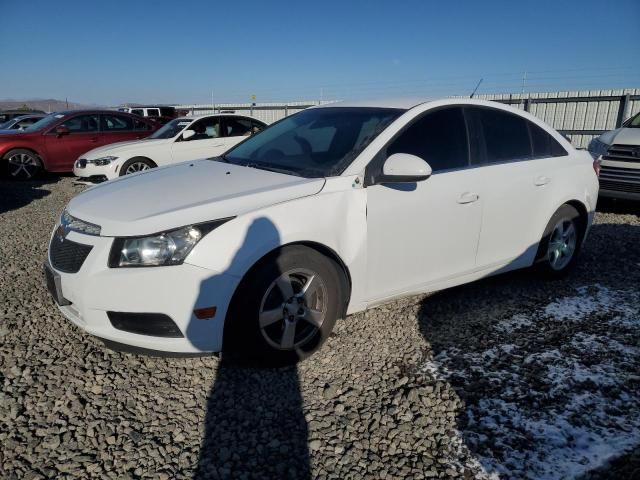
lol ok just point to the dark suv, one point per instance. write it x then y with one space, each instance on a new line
57 140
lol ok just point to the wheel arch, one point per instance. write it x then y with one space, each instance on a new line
584 214
136 157
324 250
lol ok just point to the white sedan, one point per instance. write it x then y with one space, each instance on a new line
335 209
181 139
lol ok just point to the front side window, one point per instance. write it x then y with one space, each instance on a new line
153 112
115 123
81 124
439 138
506 135
633 122
318 142
206 129
140 125
138 111
172 128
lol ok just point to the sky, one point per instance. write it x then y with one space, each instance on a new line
117 51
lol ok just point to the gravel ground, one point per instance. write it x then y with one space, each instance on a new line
510 377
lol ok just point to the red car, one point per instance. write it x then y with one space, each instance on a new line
57 140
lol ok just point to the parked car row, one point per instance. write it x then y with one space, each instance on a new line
258 251
98 145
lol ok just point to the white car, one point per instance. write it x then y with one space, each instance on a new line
325 213
181 139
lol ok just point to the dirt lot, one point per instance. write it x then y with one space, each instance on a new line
510 377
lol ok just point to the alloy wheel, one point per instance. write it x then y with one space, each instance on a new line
293 309
23 164
562 244
136 167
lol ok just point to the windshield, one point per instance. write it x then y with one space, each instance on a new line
44 122
173 128
633 122
319 142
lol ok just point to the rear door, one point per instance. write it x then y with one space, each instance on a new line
83 135
517 175
118 128
207 142
236 129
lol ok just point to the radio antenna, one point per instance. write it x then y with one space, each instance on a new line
475 89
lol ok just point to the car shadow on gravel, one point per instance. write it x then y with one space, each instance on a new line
619 206
543 367
16 194
255 426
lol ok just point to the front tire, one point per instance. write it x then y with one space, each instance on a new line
23 164
561 242
284 309
135 165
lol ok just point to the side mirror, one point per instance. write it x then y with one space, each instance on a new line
405 168
61 130
187 134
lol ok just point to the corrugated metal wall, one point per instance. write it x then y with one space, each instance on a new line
581 115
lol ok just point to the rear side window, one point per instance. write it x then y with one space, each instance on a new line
153 112
439 138
138 111
506 136
544 145
113 123
237 127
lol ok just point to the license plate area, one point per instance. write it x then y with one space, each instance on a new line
53 285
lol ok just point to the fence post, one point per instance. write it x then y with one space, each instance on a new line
286 110
623 110
527 104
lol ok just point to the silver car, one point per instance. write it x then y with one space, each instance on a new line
619 154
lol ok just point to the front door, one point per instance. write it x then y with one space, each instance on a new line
83 135
422 233
207 142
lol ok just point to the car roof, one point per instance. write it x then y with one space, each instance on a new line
407 103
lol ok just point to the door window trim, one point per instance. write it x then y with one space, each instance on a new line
376 178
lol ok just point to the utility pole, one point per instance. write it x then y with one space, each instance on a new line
524 81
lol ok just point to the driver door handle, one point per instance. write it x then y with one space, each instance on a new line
468 197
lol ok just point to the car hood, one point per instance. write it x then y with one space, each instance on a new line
128 146
183 194
622 136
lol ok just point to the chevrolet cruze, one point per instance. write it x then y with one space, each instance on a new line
257 253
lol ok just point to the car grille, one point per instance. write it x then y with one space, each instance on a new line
66 255
620 179
623 153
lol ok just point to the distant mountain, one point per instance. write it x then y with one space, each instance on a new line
44 104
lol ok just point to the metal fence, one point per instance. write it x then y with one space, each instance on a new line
580 115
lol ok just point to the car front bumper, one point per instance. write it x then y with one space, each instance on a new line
95 173
172 291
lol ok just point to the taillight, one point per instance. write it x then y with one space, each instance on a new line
596 166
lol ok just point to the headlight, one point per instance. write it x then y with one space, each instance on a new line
70 223
597 148
167 248
102 161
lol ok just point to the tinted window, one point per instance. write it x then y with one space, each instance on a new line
138 111
237 127
318 142
205 129
140 125
153 112
112 123
82 124
544 145
506 135
439 138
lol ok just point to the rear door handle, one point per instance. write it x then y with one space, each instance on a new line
541 180
468 197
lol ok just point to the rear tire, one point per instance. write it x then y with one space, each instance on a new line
560 244
135 165
284 309
23 164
